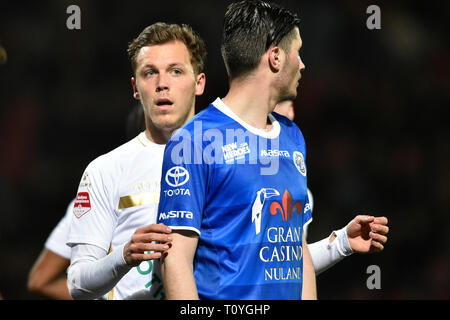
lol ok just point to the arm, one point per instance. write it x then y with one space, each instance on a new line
93 272
47 276
177 267
363 234
309 290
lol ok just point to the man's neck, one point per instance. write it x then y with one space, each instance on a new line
251 101
156 135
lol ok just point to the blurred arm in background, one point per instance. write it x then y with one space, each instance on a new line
48 276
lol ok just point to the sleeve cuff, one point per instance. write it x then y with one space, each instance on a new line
343 245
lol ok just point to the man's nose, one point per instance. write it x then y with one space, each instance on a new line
163 83
302 65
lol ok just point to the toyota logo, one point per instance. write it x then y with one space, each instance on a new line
177 176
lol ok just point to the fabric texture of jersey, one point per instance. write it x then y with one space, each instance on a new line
57 239
119 193
244 192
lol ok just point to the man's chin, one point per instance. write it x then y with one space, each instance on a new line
168 124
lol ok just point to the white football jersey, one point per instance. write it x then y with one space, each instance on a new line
56 241
119 193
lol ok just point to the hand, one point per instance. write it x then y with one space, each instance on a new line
367 234
135 251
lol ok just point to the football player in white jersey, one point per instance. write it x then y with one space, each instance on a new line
113 232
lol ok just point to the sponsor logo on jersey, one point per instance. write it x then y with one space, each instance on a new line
82 204
181 214
177 192
85 182
286 208
282 243
233 151
258 205
275 153
177 176
299 162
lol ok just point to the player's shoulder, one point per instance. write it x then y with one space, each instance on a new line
116 157
284 121
287 125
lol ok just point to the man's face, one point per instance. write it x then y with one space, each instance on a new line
166 84
291 71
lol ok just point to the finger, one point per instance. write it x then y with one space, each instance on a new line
381 220
157 228
376 246
378 237
139 248
378 228
362 219
147 256
149 237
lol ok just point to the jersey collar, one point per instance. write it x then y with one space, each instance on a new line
272 134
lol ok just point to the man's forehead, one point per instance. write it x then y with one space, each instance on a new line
166 53
297 37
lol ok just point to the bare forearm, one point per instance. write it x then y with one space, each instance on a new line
309 291
177 267
48 276
57 289
179 282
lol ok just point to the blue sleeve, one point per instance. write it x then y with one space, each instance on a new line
307 211
183 183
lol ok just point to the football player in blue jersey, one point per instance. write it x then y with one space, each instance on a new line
240 228
240 233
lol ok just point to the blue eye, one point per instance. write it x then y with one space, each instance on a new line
176 71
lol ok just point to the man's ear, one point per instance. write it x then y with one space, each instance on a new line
135 92
200 84
274 58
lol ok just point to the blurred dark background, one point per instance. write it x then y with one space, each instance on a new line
373 106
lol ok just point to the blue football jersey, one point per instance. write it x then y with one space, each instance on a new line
244 192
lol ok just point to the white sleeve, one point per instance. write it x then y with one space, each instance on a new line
325 254
57 239
92 272
94 217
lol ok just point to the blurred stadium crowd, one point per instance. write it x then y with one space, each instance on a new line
373 106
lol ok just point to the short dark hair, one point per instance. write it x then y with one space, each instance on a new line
161 32
250 28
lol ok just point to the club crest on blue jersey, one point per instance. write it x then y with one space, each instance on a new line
299 162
